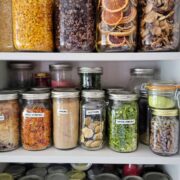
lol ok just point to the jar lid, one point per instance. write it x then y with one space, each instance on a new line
160 112
41 89
74 175
156 175
142 71
65 94
132 178
97 70
93 94
57 169
21 66
6 176
123 96
57 176
37 171
60 67
81 166
16 170
31 177
35 95
8 95
114 90
42 75
64 89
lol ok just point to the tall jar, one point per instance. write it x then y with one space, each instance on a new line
65 119
164 134
6 30
123 122
159 26
116 25
93 117
33 25
36 120
75 25
9 121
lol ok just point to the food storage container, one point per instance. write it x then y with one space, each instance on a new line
93 116
32 25
5 176
122 122
9 121
32 177
76 175
16 171
36 120
41 79
104 176
90 78
75 25
6 30
20 75
65 119
156 176
159 26
132 178
56 176
57 169
61 76
42 172
116 25
164 132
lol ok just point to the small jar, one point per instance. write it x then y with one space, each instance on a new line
164 133
123 122
36 121
93 116
16 171
65 119
9 121
20 75
90 78
41 80
61 76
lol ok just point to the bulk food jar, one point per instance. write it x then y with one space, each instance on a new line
65 119
123 122
36 120
159 26
116 25
93 116
9 121
75 25
164 134
32 25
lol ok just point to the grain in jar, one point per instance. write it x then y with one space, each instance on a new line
32 25
65 118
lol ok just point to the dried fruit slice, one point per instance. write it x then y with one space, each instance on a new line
112 19
116 41
129 15
114 5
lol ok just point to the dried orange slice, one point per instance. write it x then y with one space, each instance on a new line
129 15
112 19
116 41
114 5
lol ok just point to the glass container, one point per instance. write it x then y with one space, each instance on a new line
41 80
16 171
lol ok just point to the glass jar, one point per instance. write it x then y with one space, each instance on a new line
116 25
160 25
32 25
17 171
123 122
6 30
76 175
36 121
9 121
61 76
93 117
90 78
164 134
41 171
42 80
65 119
75 25
20 75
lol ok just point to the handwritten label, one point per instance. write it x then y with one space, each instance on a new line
33 115
125 122
93 112
63 111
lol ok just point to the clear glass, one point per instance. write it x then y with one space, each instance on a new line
160 25
66 122
32 25
6 30
123 125
75 25
36 124
92 125
116 25
9 125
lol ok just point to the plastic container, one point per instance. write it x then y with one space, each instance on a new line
123 122
36 120
31 177
6 30
41 80
5 176
156 176
75 25
56 176
90 78
57 169
159 27
16 171
65 119
164 134
116 26
9 121
61 76
42 172
32 25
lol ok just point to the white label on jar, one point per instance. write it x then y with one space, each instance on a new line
2 118
63 111
93 112
127 121
33 115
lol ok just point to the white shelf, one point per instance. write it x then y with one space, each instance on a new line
163 56
142 156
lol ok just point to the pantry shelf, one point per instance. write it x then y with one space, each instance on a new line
142 156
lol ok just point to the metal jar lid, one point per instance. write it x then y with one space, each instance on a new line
60 67
31 177
35 95
114 90
156 176
21 66
123 96
142 71
37 171
42 89
8 95
81 167
97 70
65 94
93 94
57 169
16 170
57 176
166 113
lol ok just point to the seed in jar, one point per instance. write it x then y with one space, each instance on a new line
95 144
98 136
88 133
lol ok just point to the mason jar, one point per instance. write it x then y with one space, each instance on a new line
123 122
93 117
